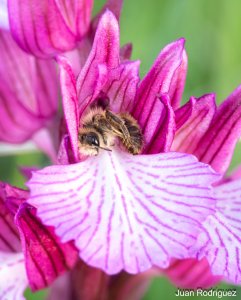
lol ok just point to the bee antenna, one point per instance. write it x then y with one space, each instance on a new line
105 149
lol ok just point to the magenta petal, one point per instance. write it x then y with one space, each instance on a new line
178 82
160 129
70 103
103 56
184 112
191 274
48 27
28 92
13 279
48 258
150 211
190 133
121 86
217 145
220 243
158 81
65 154
9 237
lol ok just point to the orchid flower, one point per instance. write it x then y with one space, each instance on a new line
125 212
30 253
133 213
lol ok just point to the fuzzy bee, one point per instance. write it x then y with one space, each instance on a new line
101 127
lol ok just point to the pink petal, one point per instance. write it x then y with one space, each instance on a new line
13 279
217 145
15 127
65 154
110 205
191 274
4 23
103 56
9 238
220 241
148 108
46 258
81 18
188 136
158 81
48 27
28 92
70 103
159 138
178 82
121 86
184 113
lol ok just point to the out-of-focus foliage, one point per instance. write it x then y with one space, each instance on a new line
213 42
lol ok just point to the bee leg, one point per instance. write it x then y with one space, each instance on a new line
118 125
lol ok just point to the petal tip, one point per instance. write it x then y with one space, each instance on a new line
108 18
180 43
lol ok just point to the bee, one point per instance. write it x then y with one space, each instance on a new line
101 127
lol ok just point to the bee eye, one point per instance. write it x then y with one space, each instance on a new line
92 139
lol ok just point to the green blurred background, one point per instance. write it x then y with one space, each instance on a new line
212 29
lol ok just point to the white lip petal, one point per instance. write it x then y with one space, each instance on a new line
126 212
13 279
221 241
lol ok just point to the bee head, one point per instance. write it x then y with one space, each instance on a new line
89 143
